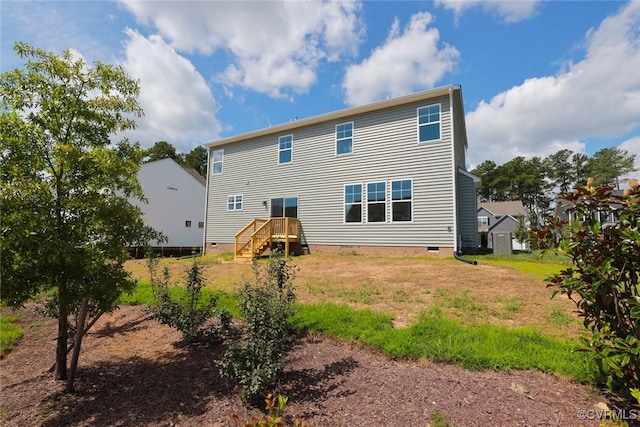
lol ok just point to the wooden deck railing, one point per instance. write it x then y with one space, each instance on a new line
260 234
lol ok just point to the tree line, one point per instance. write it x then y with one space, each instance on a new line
538 181
196 158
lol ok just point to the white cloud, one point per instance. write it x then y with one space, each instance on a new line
409 60
598 96
632 146
177 102
276 47
507 11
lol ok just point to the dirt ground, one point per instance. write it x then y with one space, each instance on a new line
134 372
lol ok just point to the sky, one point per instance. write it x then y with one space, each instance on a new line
536 76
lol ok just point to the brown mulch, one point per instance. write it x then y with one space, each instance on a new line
134 372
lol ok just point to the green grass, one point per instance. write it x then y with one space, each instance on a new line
143 294
540 265
438 338
10 333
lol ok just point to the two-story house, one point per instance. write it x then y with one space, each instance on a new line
387 177
500 217
175 205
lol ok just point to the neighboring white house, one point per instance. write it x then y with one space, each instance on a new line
176 197
386 177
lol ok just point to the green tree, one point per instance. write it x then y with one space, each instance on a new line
603 281
560 170
65 189
579 166
197 159
609 164
162 150
487 171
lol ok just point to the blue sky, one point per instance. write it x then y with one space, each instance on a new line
536 76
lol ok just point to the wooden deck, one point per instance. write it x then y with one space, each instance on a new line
261 234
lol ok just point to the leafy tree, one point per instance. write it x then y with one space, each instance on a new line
162 150
603 281
64 188
521 233
609 164
197 159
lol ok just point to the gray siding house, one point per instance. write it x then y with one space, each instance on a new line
385 177
500 218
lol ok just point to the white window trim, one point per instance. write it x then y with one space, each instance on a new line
284 202
213 162
344 204
280 150
413 200
418 123
235 198
353 129
387 194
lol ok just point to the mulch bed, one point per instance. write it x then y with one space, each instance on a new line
134 372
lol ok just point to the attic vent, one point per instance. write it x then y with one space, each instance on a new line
172 188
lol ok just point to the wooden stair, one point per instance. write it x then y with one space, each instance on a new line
260 234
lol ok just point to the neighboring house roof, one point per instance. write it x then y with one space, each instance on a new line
194 173
513 208
501 223
348 112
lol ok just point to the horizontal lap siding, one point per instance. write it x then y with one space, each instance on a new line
385 149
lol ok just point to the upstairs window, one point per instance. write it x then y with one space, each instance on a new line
285 149
216 161
483 221
353 203
429 123
344 138
402 200
376 202
234 202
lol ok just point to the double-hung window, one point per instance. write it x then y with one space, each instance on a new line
234 202
216 162
429 123
376 202
353 203
344 138
285 149
402 200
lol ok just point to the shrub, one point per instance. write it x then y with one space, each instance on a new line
275 407
190 313
603 281
256 358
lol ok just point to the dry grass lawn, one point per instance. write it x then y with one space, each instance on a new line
406 287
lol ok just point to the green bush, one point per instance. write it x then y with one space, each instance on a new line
603 281
255 359
197 318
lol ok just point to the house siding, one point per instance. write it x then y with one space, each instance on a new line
385 148
173 196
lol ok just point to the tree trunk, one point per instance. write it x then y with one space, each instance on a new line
63 334
82 316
